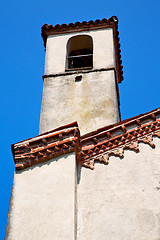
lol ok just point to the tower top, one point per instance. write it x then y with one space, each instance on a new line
48 30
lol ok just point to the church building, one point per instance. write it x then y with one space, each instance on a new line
87 175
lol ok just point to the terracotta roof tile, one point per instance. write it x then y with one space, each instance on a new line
46 146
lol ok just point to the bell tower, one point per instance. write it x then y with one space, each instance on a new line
63 187
82 72
49 196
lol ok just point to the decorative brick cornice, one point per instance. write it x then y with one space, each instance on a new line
46 146
48 30
112 140
94 146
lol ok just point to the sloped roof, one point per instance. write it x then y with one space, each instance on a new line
48 30
94 146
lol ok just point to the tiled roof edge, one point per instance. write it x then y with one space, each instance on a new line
112 22
100 144
95 146
46 146
47 30
129 121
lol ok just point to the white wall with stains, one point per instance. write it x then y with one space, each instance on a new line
121 200
43 201
116 201
92 102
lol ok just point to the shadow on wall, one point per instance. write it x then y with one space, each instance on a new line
47 162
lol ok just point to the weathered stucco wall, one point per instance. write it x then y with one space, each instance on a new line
43 201
122 200
92 102
116 201
103 50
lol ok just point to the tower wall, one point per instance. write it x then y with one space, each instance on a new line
92 102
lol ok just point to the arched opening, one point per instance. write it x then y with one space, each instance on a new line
79 52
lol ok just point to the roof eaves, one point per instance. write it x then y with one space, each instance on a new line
95 146
46 146
100 144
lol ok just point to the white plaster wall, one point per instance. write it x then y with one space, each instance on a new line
103 50
43 201
121 200
92 102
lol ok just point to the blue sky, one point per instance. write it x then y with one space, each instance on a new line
22 66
